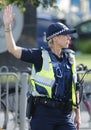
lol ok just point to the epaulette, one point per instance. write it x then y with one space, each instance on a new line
70 54
69 51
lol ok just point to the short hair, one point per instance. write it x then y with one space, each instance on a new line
50 42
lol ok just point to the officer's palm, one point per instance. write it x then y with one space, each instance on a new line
8 15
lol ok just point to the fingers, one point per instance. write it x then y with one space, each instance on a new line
8 15
8 10
77 125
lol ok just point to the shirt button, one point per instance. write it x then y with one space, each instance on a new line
45 102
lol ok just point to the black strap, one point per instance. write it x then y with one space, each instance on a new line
51 102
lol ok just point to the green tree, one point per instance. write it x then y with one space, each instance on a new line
21 3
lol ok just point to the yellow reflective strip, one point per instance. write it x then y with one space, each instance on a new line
74 107
45 75
73 94
33 84
49 74
73 85
74 72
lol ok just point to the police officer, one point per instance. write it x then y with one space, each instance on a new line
53 77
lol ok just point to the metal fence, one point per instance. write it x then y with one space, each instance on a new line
86 99
13 99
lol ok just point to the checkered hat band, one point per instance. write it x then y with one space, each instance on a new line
57 33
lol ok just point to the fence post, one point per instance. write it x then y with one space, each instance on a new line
23 100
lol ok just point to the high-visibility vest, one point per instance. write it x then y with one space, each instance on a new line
74 81
46 79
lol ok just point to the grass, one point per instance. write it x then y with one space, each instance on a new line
84 59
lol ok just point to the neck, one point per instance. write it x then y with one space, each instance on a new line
57 51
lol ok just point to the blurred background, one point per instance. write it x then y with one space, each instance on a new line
28 27
32 17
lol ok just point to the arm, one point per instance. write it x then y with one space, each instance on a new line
8 18
77 118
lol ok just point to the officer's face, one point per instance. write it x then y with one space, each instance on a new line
63 41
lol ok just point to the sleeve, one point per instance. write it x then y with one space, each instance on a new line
33 56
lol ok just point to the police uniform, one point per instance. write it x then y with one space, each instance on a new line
53 80
61 90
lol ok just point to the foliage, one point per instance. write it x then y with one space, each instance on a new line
83 59
84 45
21 3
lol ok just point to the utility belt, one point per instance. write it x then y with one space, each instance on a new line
33 102
65 107
48 102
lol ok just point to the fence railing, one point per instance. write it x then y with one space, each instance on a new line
13 99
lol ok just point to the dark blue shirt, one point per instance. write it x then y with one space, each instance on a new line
62 70
33 56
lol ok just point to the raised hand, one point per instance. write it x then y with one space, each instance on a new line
8 15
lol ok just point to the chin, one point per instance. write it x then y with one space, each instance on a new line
67 47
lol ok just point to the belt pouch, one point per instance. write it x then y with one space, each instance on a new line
67 107
29 108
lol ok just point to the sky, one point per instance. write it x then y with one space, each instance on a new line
64 4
